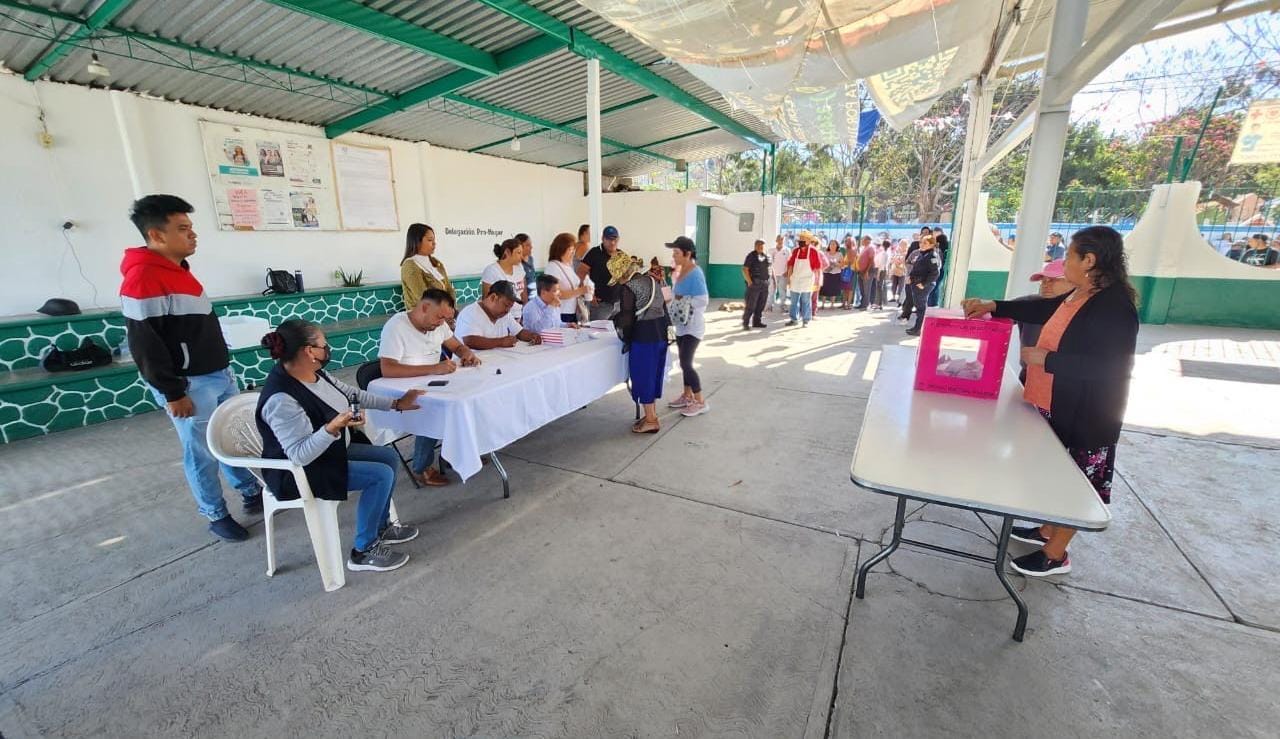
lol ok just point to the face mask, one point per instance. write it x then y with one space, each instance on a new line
328 354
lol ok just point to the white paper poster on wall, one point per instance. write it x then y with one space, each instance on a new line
1259 139
269 180
366 188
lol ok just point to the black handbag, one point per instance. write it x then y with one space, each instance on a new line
88 356
280 282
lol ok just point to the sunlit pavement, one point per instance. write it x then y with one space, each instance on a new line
695 582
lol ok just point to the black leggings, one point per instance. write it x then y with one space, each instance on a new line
688 345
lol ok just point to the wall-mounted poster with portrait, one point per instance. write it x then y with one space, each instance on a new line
269 180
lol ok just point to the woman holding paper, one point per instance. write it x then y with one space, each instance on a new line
573 289
688 314
419 268
1078 372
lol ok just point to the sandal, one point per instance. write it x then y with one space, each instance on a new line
643 427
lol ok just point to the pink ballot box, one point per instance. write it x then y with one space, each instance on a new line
962 356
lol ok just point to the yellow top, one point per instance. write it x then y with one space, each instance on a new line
414 281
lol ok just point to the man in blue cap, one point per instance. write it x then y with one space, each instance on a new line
595 264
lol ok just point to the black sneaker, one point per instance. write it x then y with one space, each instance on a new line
394 533
913 332
1029 535
759 325
377 559
1038 564
253 504
227 528
790 323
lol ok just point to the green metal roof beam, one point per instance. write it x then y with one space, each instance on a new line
522 54
159 41
395 30
99 18
551 125
571 122
584 45
659 142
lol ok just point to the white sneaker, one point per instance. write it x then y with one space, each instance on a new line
695 409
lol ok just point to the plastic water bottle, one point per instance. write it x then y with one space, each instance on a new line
297 276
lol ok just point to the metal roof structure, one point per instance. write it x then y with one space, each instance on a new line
466 74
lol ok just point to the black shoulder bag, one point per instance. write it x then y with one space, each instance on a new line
280 282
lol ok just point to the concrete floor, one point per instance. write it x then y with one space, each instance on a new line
696 582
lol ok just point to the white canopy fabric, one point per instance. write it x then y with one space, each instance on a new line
796 64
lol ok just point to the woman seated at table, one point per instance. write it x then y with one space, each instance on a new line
508 269
304 416
1078 372
642 325
560 264
419 268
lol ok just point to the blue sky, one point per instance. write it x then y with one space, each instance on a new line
1122 103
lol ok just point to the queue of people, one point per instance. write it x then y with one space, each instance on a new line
1078 340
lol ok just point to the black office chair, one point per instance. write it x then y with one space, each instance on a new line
367 373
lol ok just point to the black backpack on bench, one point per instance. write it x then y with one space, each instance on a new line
88 356
280 282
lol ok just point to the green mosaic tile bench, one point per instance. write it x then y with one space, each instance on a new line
34 402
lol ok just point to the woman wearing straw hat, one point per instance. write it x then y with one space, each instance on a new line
642 325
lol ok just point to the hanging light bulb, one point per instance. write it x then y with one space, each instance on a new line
515 142
96 68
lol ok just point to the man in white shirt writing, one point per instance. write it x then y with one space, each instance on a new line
487 324
411 346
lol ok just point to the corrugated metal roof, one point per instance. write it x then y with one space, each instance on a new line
553 87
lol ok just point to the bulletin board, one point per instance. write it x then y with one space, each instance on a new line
366 188
268 180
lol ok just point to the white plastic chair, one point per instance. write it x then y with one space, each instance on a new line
234 440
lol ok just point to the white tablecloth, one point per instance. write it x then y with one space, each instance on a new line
481 411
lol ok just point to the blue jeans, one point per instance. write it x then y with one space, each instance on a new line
919 296
424 453
804 303
208 392
372 471
777 291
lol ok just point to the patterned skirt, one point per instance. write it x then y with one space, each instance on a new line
1098 465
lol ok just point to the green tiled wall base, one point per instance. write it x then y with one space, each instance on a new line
320 306
71 404
23 343
80 402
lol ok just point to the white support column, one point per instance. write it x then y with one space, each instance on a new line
595 201
1044 165
980 96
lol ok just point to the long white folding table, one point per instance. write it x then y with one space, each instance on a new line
997 457
512 393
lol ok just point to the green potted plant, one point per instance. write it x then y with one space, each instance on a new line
348 279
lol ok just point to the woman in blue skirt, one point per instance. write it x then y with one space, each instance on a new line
642 325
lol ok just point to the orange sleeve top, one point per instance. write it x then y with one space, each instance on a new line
1038 390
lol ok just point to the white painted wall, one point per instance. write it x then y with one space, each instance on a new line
473 191
1165 242
988 254
728 244
111 147
648 220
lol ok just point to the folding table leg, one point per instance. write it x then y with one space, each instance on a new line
1002 549
898 521
502 472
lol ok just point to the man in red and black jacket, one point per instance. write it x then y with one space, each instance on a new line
177 343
